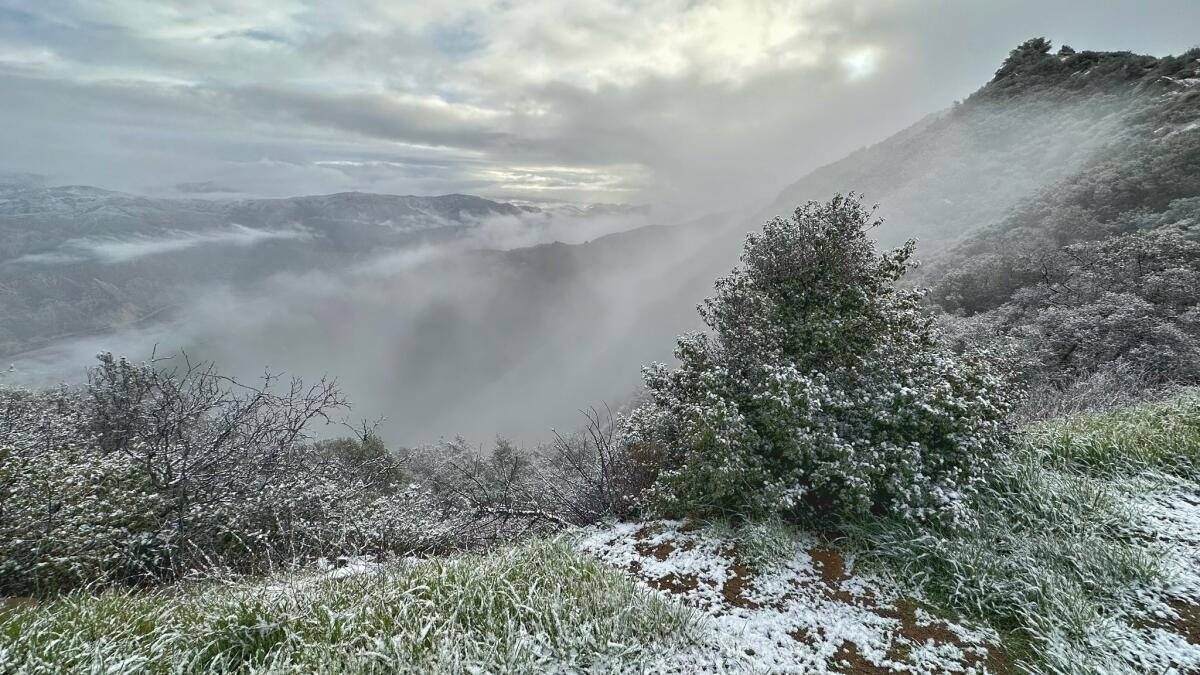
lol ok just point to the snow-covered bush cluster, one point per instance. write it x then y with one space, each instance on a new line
578 479
147 474
821 388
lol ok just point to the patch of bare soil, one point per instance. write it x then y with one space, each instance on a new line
830 564
676 583
848 660
736 585
938 632
818 600
7 603
647 531
658 551
1188 623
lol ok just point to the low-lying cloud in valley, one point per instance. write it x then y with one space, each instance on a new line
441 339
118 250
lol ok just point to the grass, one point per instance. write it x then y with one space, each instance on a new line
1160 435
537 606
763 544
1058 557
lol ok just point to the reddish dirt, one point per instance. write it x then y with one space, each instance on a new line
732 590
659 552
831 567
905 612
801 635
673 583
830 564
848 660
647 531
939 633
7 603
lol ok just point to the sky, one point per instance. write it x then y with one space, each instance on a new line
698 105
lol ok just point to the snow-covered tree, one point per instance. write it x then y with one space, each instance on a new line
820 389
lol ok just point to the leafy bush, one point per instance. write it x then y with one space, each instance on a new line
69 515
821 389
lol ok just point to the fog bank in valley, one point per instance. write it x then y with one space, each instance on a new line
498 333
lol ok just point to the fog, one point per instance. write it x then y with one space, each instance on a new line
504 324
455 338
518 322
117 250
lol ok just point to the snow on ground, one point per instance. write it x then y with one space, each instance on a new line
809 613
325 569
1169 514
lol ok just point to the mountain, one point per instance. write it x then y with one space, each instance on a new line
36 220
1098 273
1044 118
1059 149
75 259
1143 174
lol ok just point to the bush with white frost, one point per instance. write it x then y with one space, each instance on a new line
820 388
146 474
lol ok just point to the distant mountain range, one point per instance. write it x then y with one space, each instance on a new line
75 259
36 219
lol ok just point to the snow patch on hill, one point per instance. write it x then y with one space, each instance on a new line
810 613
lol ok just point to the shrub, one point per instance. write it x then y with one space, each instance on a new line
146 474
821 389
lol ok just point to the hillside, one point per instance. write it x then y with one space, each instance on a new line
1043 119
1098 270
1046 582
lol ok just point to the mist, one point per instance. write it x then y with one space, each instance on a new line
501 323
503 331
116 250
519 321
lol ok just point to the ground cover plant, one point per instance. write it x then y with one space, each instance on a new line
536 607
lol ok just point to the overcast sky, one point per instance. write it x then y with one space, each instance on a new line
707 103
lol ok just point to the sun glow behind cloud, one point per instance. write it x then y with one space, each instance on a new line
499 88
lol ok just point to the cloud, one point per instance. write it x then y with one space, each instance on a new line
206 187
694 103
860 63
113 250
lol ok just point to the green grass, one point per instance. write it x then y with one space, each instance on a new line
1161 435
762 543
1052 559
515 609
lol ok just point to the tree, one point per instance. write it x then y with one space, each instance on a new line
820 389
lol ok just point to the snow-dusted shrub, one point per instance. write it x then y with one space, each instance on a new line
145 474
821 388
68 515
